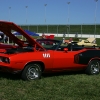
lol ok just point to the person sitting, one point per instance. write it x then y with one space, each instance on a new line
70 40
43 36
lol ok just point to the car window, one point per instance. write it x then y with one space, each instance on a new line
49 44
86 41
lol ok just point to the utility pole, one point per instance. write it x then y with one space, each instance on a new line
9 13
68 19
95 17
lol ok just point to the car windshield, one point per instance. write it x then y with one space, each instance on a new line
49 44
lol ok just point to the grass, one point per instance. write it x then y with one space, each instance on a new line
60 86
61 38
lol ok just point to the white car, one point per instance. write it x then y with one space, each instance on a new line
88 42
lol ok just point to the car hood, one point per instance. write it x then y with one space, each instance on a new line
91 39
8 27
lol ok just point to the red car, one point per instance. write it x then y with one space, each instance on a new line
32 58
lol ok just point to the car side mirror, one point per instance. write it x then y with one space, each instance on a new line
65 49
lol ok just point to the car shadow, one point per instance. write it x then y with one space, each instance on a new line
10 76
44 75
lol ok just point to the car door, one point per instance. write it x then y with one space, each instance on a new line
64 60
47 58
87 43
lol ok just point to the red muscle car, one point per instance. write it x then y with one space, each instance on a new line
34 57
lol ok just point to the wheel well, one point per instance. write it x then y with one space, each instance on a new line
94 59
37 62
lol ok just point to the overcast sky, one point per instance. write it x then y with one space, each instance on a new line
55 11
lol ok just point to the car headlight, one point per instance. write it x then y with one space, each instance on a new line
4 59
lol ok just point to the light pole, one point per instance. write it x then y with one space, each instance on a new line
45 17
9 20
45 13
26 20
26 13
9 13
95 17
68 19
81 30
57 30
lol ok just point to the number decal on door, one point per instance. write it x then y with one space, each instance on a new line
46 55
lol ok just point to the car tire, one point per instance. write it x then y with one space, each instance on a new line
93 67
31 72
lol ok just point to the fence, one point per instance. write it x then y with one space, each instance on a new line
72 35
60 29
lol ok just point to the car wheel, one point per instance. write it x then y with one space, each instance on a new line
93 46
93 67
31 72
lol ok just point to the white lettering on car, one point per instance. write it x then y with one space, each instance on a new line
46 55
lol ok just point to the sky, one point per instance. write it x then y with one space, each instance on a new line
57 12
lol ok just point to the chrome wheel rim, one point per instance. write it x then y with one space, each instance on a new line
95 67
32 73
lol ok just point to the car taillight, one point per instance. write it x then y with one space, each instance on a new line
76 58
4 59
